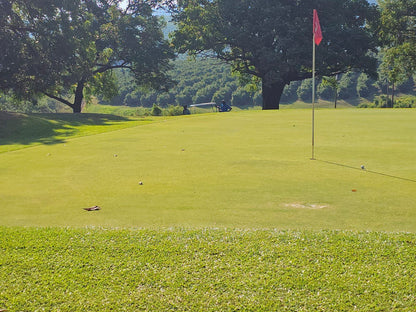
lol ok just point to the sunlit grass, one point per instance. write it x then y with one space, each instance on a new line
242 169
205 270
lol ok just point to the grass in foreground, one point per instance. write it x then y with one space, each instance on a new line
205 270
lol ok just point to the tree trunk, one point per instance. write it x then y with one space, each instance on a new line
79 96
272 92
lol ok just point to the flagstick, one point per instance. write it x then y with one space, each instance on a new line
313 98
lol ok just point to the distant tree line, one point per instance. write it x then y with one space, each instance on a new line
206 80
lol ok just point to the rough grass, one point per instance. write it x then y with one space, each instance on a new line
205 270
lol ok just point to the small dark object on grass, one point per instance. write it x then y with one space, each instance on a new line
93 208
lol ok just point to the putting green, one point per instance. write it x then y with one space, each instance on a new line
249 169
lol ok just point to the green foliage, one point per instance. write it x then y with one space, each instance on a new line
305 91
198 81
290 92
268 39
325 92
173 110
405 102
365 86
9 102
406 86
369 104
391 69
346 86
215 80
241 97
67 49
105 84
328 89
382 101
156 110
205 270
396 30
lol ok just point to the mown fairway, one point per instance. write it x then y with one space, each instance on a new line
239 170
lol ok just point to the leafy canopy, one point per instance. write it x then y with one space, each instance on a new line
273 39
398 36
61 48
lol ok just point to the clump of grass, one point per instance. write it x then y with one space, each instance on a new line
205 270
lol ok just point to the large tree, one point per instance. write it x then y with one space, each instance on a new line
398 37
272 39
67 50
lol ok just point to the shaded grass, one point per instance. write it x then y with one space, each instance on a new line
23 130
205 270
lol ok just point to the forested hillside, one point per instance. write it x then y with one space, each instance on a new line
205 80
197 81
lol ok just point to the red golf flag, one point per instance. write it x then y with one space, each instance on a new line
316 28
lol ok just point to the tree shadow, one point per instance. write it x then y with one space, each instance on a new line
16 128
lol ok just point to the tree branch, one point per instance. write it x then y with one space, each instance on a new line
108 67
59 99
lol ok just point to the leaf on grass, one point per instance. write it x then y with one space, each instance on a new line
93 208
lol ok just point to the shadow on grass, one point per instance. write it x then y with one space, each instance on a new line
366 170
25 129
